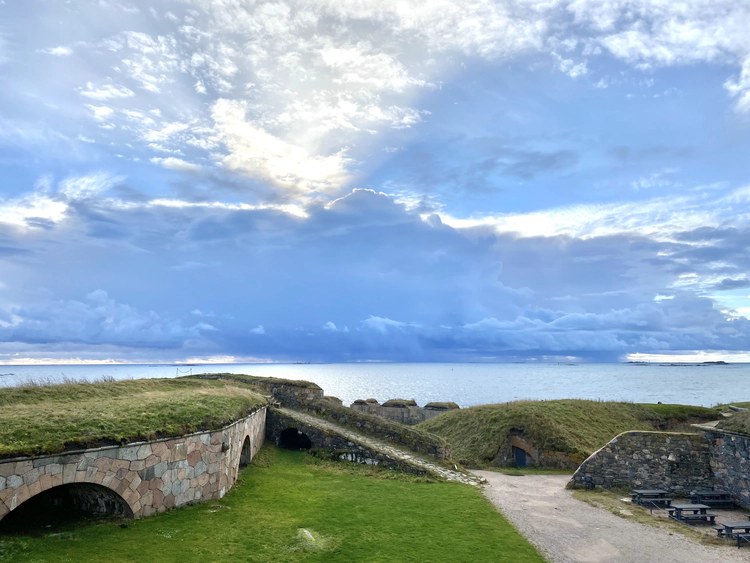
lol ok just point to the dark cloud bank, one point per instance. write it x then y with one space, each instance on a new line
360 279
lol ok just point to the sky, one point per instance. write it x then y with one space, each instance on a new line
374 180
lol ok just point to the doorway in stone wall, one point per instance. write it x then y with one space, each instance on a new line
64 506
294 439
246 453
520 457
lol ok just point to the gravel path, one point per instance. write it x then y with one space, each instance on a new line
384 448
570 531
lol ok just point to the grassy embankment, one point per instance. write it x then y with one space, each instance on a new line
48 419
573 427
289 507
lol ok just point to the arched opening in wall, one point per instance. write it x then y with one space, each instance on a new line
293 439
246 453
64 506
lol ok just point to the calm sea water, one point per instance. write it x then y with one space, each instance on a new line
466 384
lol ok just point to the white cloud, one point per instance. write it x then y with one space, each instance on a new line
383 324
258 153
57 51
101 113
258 330
177 164
81 187
106 92
739 88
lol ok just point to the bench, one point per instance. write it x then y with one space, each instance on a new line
742 538
720 531
699 517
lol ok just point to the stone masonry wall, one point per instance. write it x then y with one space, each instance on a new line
676 462
335 444
150 476
730 462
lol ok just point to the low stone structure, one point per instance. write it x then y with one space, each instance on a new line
675 462
287 392
402 410
340 446
507 455
730 463
150 476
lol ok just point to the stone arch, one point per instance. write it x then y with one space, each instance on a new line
294 439
64 502
246 453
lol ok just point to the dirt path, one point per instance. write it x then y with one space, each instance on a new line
570 531
384 447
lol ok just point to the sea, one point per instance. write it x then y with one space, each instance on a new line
465 384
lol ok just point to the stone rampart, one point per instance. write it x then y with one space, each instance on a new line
676 462
730 463
401 411
149 476
342 447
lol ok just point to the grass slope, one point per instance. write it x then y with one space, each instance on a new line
740 423
288 508
46 419
568 426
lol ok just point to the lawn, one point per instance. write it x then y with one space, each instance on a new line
48 419
570 426
290 507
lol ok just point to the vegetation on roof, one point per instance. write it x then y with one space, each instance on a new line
739 422
366 423
47 419
442 406
569 426
400 403
255 380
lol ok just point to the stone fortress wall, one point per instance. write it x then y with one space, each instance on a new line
400 410
149 477
730 464
676 462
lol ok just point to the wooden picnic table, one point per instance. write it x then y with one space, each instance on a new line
732 528
715 499
650 497
689 513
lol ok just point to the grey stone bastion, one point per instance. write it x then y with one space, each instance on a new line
149 477
676 462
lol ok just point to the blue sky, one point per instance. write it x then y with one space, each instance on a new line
233 180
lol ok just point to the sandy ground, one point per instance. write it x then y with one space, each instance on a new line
569 531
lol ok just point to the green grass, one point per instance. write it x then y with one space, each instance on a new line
48 419
289 507
740 423
574 427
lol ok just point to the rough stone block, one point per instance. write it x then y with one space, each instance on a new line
160 468
53 469
137 465
129 453
3 483
200 468
7 469
23 467
152 460
179 452
144 451
15 481
194 458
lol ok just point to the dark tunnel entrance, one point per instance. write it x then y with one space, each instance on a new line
245 454
64 506
293 439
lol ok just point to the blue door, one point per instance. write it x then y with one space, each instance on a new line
520 457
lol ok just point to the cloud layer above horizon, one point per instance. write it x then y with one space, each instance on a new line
405 181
